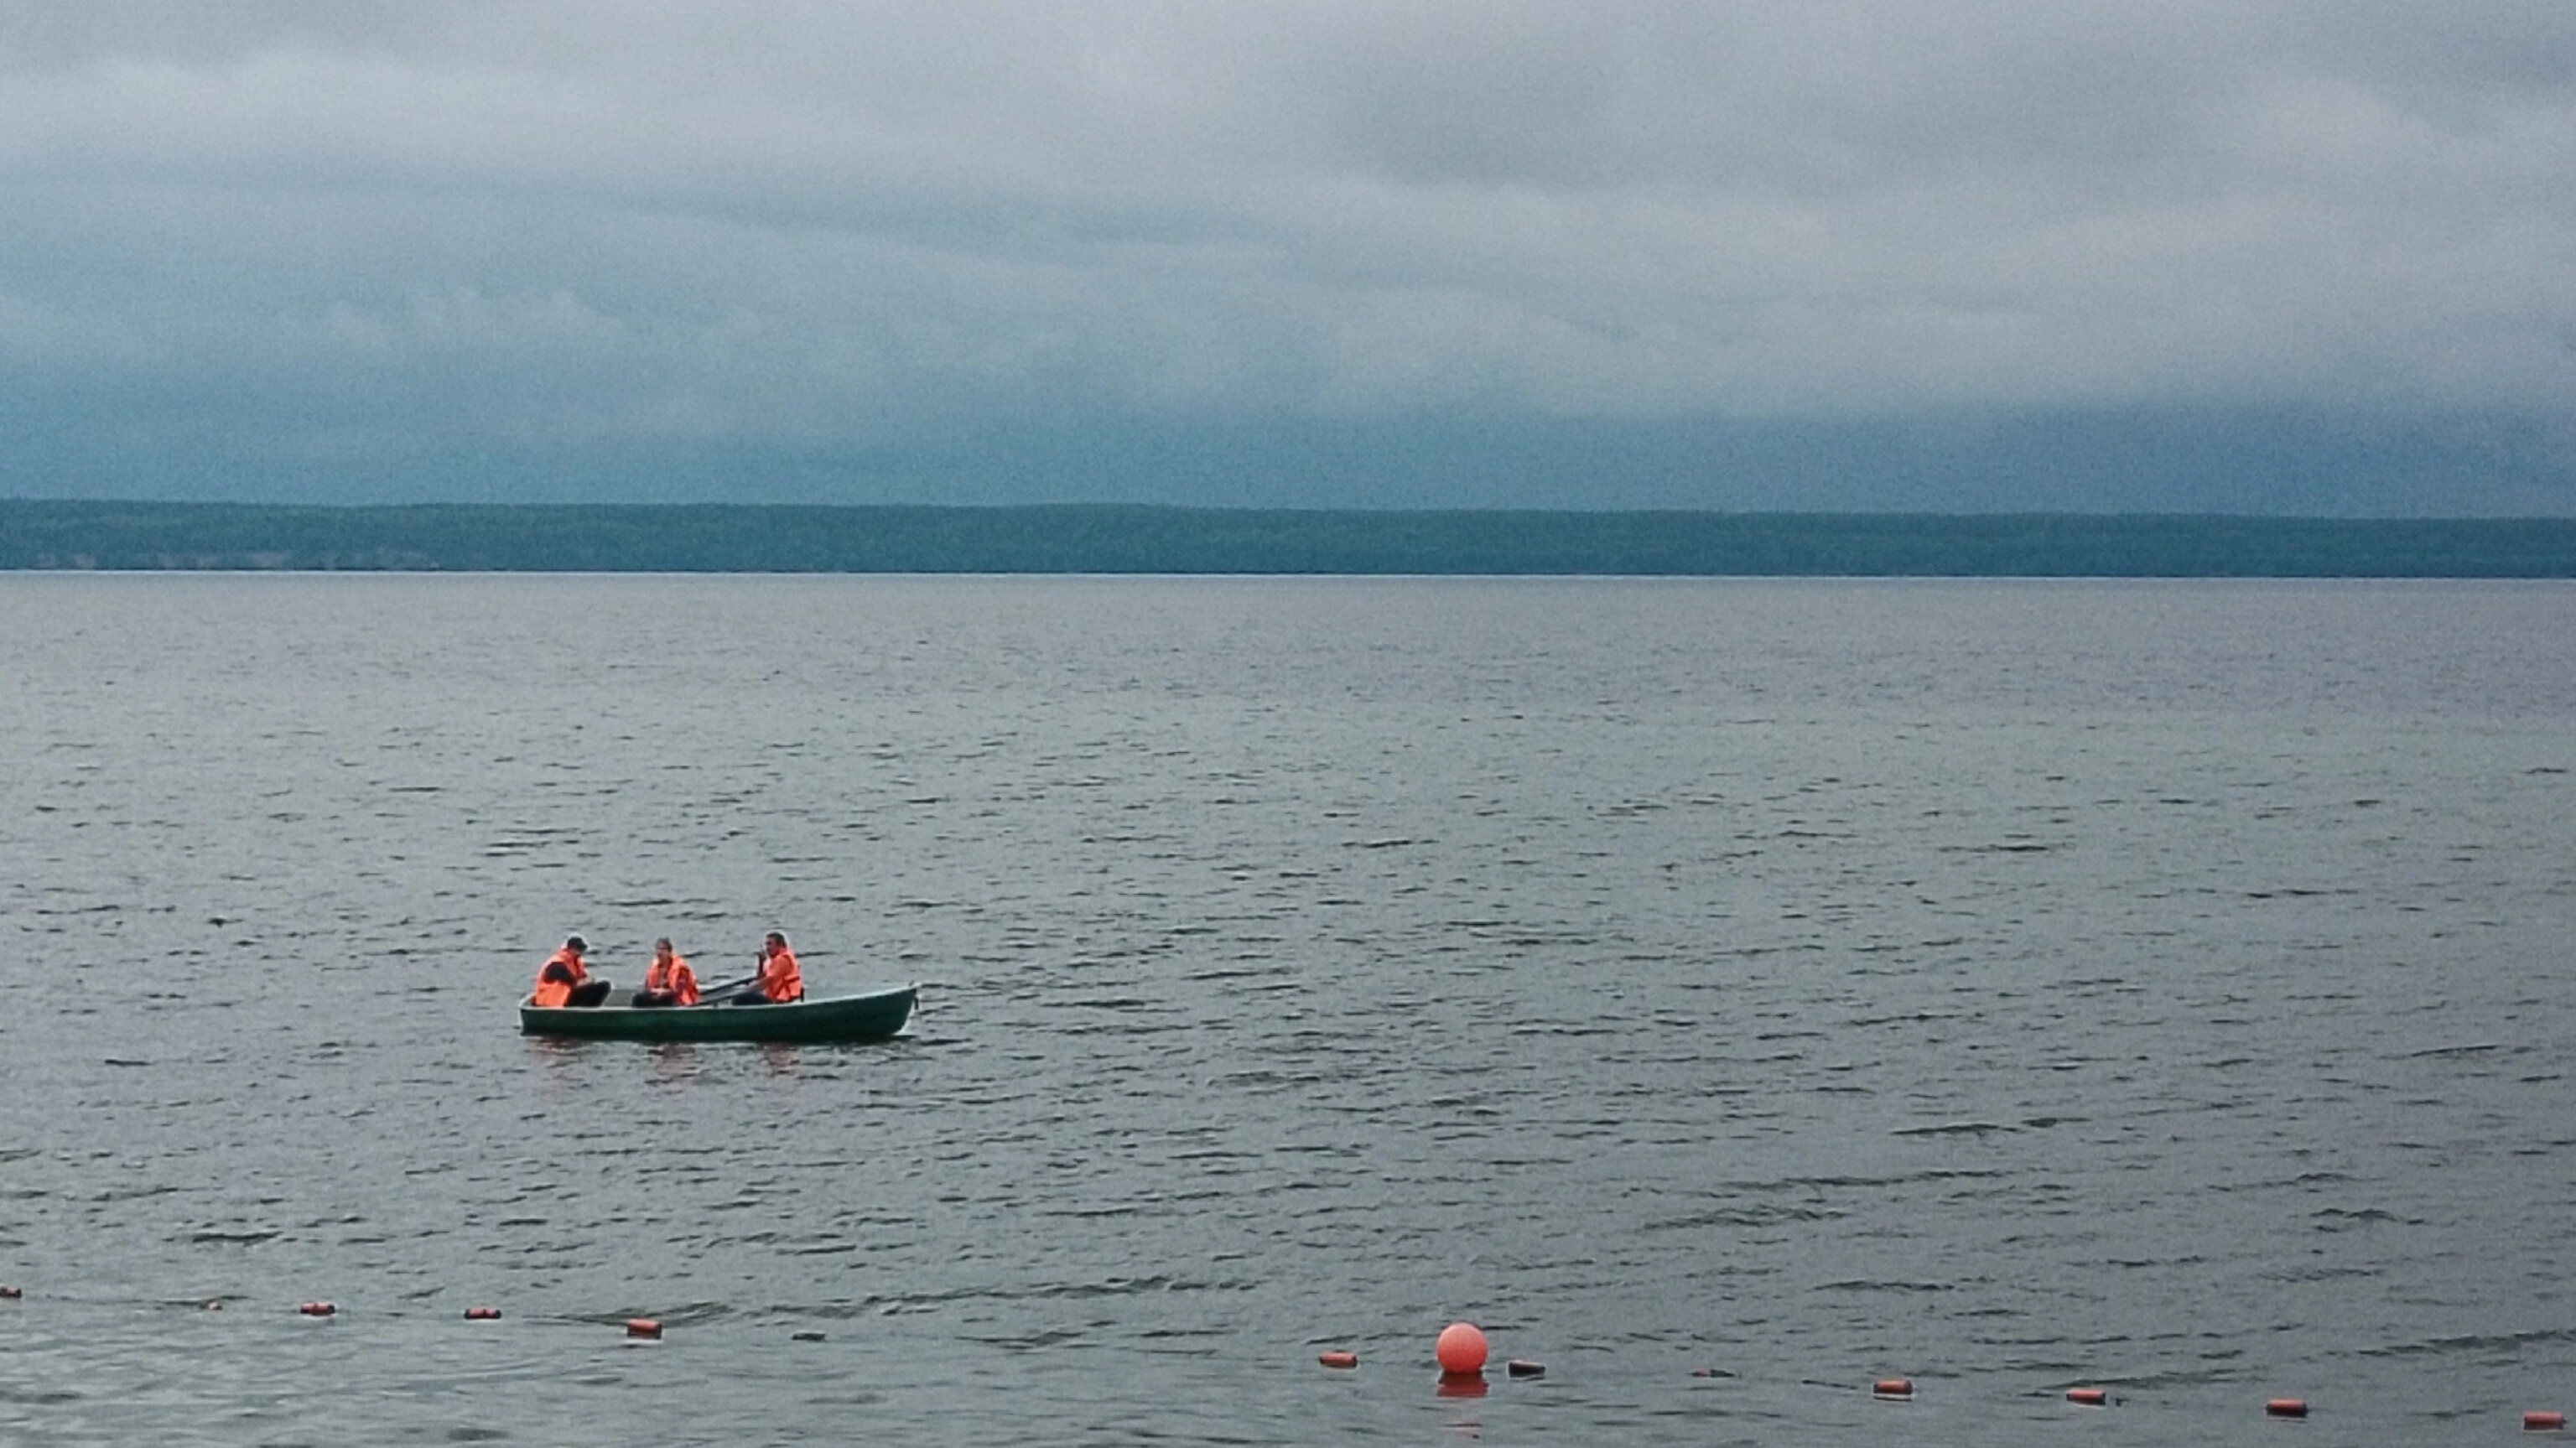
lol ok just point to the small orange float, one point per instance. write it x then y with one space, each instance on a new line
317 1309
481 1314
1338 1359
1892 1388
2089 1397
2543 1422
643 1327
2287 1407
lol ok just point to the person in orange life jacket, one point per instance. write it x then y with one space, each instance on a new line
561 981
779 980
668 981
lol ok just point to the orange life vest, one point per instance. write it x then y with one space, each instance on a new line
679 982
558 990
780 980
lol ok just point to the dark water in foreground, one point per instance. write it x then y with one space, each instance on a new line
2008 985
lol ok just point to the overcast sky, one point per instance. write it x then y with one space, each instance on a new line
2245 255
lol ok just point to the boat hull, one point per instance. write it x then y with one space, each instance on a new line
869 1016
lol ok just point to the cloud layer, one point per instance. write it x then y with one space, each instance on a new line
396 238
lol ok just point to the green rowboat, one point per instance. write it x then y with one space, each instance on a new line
868 1016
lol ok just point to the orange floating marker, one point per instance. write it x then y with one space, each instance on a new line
2287 1407
1524 1368
643 1327
1461 1348
482 1314
2089 1397
1338 1359
317 1309
2543 1422
1892 1388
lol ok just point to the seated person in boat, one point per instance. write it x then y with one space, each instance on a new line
779 981
668 981
561 981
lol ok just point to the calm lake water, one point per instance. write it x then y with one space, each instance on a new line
2004 984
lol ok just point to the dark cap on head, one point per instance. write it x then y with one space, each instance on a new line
575 942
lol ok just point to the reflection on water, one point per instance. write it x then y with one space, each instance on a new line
674 1062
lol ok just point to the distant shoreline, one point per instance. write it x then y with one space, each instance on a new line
1134 539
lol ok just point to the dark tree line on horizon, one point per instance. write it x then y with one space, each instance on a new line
1109 538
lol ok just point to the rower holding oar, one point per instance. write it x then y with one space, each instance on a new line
668 981
778 981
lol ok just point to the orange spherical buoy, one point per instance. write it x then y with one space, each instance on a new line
1461 1348
2543 1422
317 1309
644 1327
1338 1359
1892 1388
482 1314
2287 1407
2089 1397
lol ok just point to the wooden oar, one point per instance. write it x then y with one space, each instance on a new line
708 994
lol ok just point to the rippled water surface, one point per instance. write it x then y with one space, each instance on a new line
2007 985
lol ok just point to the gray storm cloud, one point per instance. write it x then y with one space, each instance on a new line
338 226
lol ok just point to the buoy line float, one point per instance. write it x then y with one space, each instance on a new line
1460 1349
